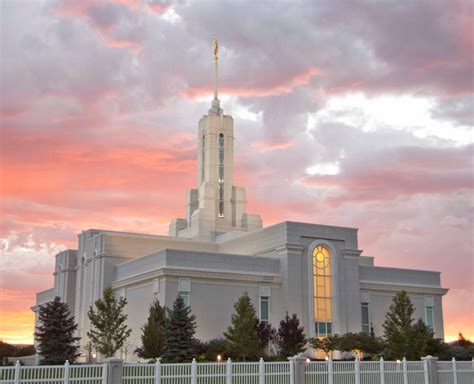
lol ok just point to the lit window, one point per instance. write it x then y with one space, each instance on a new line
264 308
322 291
365 318
221 175
429 317
203 157
185 297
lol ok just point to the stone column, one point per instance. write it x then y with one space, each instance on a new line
298 371
113 365
430 364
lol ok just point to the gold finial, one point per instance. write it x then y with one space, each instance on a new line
216 48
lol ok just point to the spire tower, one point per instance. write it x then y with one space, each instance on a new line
216 209
215 106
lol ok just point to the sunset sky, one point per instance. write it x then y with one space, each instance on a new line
346 113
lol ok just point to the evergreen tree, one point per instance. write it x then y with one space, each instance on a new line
153 333
402 337
266 333
109 330
180 344
54 334
291 338
398 327
242 335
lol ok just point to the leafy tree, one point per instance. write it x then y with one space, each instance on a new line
327 344
109 330
398 327
216 347
266 334
440 349
180 344
242 335
153 333
54 334
463 342
462 349
291 337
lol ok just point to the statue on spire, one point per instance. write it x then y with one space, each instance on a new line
215 108
216 48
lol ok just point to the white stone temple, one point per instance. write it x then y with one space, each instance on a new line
218 251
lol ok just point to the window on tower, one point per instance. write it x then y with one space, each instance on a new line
203 157
322 291
221 175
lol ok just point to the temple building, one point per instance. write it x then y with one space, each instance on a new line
218 251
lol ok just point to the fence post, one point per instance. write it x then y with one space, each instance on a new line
114 368
228 372
357 370
104 373
405 371
17 372
430 365
455 372
298 363
261 371
382 371
194 372
330 372
158 371
66 372
292 372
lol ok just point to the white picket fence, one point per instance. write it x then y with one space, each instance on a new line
315 372
209 373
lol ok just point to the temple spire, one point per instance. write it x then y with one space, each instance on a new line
216 59
215 108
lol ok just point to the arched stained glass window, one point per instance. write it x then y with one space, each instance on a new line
322 290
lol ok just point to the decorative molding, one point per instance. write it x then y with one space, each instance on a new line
364 296
351 253
184 284
265 290
198 274
429 301
290 248
156 286
395 287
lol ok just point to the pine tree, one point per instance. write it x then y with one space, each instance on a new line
180 344
291 338
109 330
242 336
266 334
398 329
55 333
153 333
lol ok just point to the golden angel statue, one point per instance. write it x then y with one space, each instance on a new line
216 48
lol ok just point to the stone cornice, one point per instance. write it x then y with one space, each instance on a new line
290 247
395 287
351 253
199 274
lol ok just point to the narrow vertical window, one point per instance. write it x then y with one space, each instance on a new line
264 308
322 291
185 297
365 318
203 157
221 175
429 317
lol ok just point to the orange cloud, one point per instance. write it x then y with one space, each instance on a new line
285 87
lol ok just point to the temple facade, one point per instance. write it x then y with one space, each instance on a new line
218 251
